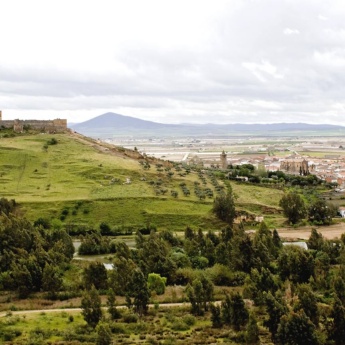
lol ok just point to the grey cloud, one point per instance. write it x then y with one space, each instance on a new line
265 61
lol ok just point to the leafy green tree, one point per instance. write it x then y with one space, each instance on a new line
156 283
234 312
308 303
111 303
252 331
91 307
121 276
296 328
103 334
153 256
259 283
296 264
336 328
276 240
95 274
275 308
243 256
339 288
194 293
224 207
200 293
105 229
216 316
7 206
316 240
293 207
321 212
22 279
51 280
140 292
93 243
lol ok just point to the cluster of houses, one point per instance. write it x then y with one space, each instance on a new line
330 169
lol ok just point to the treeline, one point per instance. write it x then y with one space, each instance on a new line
298 294
32 258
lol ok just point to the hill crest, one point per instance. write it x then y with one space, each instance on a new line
112 125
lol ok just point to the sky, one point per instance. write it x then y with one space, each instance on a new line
174 61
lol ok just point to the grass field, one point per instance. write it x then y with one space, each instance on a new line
84 182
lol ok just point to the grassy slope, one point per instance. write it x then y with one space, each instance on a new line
77 174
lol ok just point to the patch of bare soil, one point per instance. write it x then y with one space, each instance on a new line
329 232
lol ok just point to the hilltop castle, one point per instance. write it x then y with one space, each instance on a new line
46 126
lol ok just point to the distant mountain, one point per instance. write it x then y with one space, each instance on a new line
112 125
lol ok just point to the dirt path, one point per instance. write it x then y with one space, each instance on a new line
329 232
23 312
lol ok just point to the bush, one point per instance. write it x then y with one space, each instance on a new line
179 325
189 320
117 328
223 276
183 276
10 334
156 283
52 141
130 318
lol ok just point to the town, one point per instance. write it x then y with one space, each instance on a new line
320 156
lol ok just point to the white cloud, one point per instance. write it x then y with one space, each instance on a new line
263 70
288 31
321 17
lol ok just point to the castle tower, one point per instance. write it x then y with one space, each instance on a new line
0 115
223 161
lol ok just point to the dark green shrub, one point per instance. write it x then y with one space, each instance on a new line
130 318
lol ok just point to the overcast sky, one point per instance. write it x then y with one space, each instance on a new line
236 61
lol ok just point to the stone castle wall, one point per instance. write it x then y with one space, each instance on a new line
47 126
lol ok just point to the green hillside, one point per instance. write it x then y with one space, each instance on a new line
81 181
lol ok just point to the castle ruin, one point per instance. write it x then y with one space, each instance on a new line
46 126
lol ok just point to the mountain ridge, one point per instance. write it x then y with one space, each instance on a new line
112 124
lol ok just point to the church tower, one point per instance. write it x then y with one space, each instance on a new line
223 161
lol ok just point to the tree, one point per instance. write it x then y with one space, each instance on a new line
111 303
200 293
140 292
103 334
336 329
296 264
95 274
224 207
276 308
316 240
293 207
156 283
252 334
308 303
51 280
339 288
296 328
321 213
259 283
153 256
234 311
91 307
216 316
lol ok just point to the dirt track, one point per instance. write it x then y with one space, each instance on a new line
329 232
